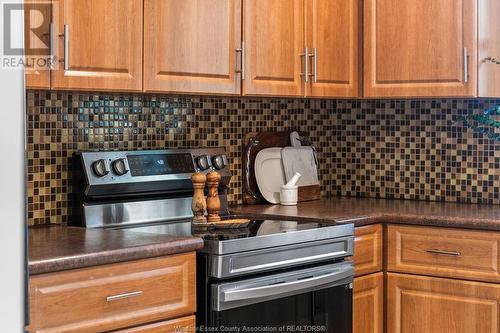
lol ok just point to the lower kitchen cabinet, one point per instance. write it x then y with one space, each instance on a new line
186 324
424 304
446 252
116 296
368 304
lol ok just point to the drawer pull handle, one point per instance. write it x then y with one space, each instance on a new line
447 253
123 296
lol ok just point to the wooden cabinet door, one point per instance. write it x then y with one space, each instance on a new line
367 249
333 39
273 33
419 48
489 48
190 46
426 305
368 304
37 15
103 45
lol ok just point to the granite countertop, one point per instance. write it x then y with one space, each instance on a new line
364 211
57 248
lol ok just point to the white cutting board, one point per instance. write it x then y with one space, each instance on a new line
301 160
269 173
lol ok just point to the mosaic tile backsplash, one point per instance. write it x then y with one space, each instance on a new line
403 149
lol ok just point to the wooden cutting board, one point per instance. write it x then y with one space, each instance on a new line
252 144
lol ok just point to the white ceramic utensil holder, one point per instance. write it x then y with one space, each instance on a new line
288 195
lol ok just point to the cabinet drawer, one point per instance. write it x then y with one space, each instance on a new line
186 324
113 296
447 252
367 249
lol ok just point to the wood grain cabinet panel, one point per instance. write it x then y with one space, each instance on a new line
447 252
428 305
103 45
37 16
113 296
489 47
192 46
186 324
273 32
368 249
417 48
368 304
333 39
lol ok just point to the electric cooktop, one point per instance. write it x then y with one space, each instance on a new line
258 234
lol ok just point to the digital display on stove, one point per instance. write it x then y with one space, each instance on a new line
160 164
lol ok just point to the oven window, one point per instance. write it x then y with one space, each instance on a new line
327 310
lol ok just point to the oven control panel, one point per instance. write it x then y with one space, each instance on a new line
169 166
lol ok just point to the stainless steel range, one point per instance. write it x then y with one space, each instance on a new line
270 276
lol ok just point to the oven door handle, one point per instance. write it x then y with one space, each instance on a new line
306 284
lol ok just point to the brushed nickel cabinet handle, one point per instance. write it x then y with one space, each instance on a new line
447 253
238 68
52 44
65 35
314 55
123 296
305 55
466 66
241 51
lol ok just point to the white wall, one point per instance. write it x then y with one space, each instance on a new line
12 189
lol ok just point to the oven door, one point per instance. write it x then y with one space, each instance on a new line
315 299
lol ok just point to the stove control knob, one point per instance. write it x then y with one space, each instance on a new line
100 167
120 167
220 161
203 162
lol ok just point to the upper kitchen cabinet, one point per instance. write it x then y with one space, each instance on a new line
420 48
37 18
333 41
274 58
489 48
192 46
99 45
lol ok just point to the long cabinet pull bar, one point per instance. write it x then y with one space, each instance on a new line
315 64
466 65
123 296
239 68
52 44
65 35
305 55
243 67
447 253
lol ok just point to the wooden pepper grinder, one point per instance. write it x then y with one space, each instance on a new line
213 201
199 204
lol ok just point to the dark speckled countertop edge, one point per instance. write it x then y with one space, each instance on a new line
78 261
364 220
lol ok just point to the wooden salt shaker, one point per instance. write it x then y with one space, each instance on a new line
213 200
199 204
